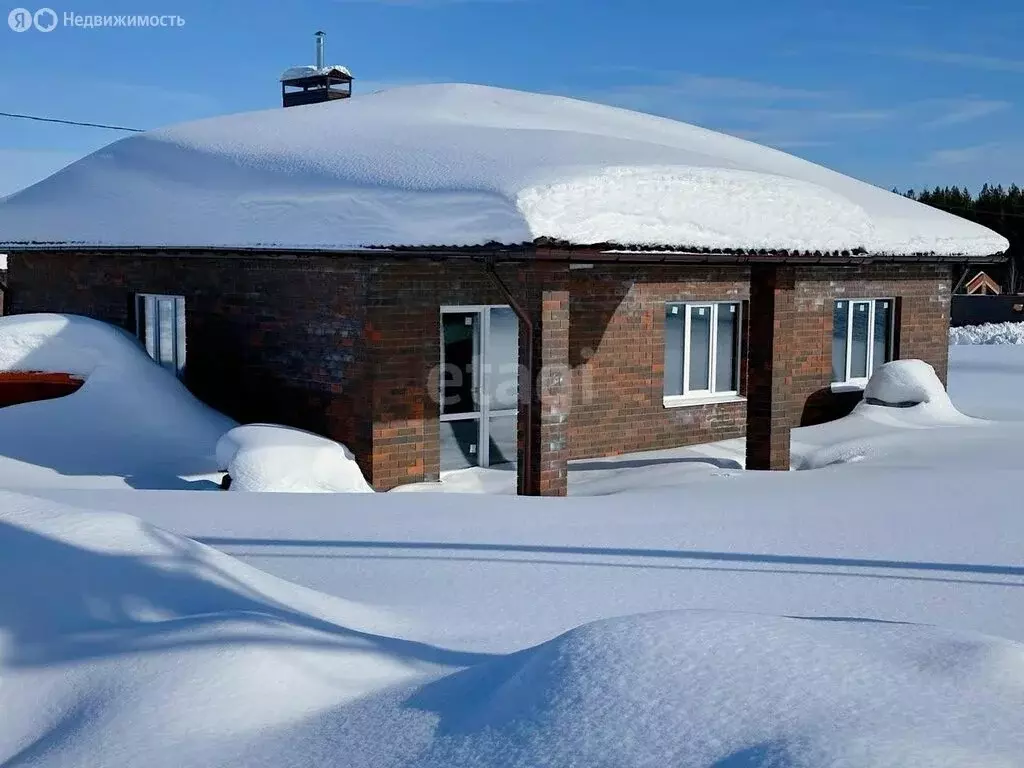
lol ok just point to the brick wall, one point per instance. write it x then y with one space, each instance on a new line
617 351
404 327
923 305
268 339
617 347
340 346
347 346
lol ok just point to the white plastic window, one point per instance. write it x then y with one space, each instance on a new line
160 325
862 338
702 350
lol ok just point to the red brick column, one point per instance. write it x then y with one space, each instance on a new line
544 403
403 335
771 406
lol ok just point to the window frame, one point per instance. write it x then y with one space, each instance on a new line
142 317
861 382
695 397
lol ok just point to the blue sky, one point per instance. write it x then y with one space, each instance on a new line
898 92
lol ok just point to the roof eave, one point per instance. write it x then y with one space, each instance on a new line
613 253
546 251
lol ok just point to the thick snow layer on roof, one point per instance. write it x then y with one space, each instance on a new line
297 73
464 165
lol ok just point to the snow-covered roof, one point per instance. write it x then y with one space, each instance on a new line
297 73
464 165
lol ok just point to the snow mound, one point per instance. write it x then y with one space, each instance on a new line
123 644
902 399
906 383
705 688
71 344
270 458
988 333
463 165
131 423
900 396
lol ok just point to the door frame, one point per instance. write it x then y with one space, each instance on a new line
482 375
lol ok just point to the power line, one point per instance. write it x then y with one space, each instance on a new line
70 122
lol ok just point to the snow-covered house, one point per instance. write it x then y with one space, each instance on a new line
419 272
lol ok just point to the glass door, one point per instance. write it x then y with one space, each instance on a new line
479 386
461 411
501 392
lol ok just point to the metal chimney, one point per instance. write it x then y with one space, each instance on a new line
320 50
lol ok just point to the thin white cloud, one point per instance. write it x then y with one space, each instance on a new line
970 60
1005 157
996 162
674 86
959 155
821 116
133 105
960 111
782 115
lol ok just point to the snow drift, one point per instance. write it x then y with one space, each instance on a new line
267 457
901 398
128 645
122 644
463 165
131 422
988 333
712 689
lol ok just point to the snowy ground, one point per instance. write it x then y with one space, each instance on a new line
845 615
988 381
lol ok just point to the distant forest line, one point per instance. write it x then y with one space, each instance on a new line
1000 209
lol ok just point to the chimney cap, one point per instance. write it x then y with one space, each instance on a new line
299 73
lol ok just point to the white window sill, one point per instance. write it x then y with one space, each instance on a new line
854 385
684 401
